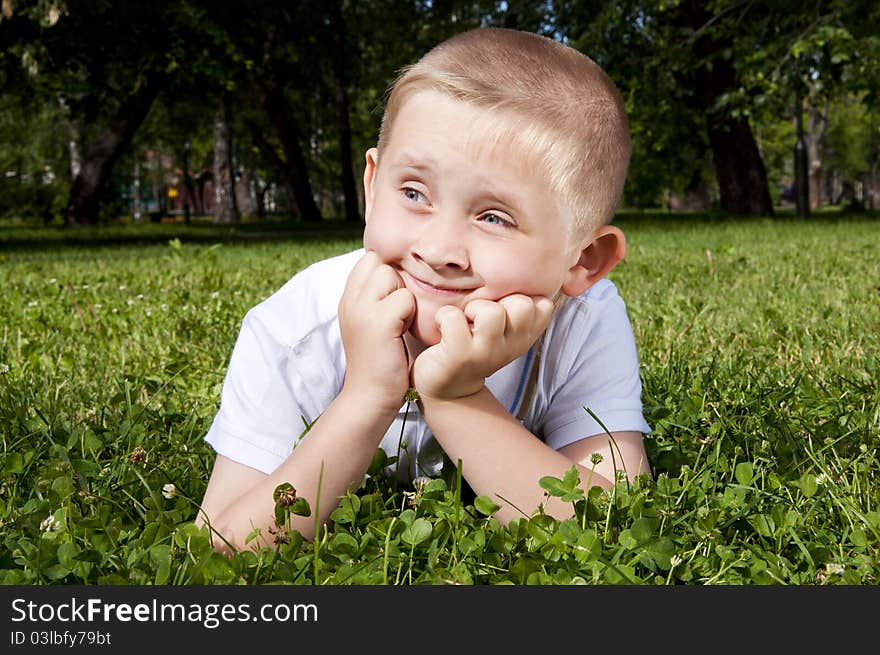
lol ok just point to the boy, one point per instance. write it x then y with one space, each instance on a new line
500 162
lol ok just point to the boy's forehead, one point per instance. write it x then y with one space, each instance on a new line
479 176
431 124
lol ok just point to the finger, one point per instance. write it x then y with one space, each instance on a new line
488 318
383 281
454 328
400 306
544 308
360 273
520 311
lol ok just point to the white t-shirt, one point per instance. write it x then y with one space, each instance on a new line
288 364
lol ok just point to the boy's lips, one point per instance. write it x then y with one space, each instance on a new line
437 289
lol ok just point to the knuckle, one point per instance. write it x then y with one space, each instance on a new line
492 312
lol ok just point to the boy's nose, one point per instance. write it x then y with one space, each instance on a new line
441 244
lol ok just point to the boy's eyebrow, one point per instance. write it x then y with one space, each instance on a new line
418 162
488 188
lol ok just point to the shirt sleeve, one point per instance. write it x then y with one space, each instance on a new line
286 367
594 366
258 422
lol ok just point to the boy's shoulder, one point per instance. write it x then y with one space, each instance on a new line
598 310
308 299
602 293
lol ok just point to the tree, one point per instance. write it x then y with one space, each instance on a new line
109 76
225 208
678 66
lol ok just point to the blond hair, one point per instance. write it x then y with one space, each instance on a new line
544 98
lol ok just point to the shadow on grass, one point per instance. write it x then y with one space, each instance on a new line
826 215
28 237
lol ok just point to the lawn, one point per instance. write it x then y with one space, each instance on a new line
758 341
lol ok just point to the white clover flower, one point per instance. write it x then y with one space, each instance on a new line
821 479
421 481
164 307
169 491
215 294
674 561
52 280
149 312
834 568
140 296
98 305
129 302
4 369
122 287
33 303
50 524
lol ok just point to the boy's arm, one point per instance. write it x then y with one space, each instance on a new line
330 460
499 456
375 310
503 460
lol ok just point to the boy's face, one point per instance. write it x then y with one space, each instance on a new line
459 220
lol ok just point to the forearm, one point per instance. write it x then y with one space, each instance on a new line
500 458
330 460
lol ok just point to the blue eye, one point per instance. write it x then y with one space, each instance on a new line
494 219
415 196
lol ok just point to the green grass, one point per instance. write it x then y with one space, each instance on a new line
758 341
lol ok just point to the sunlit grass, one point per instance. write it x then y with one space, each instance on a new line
758 341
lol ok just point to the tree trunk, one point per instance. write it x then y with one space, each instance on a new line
200 193
224 177
246 197
349 187
815 138
293 166
82 200
73 137
739 169
694 198
136 212
271 155
157 186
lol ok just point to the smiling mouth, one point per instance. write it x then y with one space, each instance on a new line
435 289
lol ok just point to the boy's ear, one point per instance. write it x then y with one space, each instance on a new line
603 253
372 157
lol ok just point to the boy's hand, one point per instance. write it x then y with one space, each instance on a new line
374 312
477 342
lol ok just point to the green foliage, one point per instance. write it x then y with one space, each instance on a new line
67 69
853 132
34 172
760 378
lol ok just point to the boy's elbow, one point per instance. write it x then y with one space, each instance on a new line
225 539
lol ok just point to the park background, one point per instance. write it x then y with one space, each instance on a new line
165 166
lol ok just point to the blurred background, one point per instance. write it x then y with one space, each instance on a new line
222 112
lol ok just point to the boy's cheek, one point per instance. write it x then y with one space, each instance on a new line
424 328
380 247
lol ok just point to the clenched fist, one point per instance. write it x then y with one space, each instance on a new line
376 309
478 341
